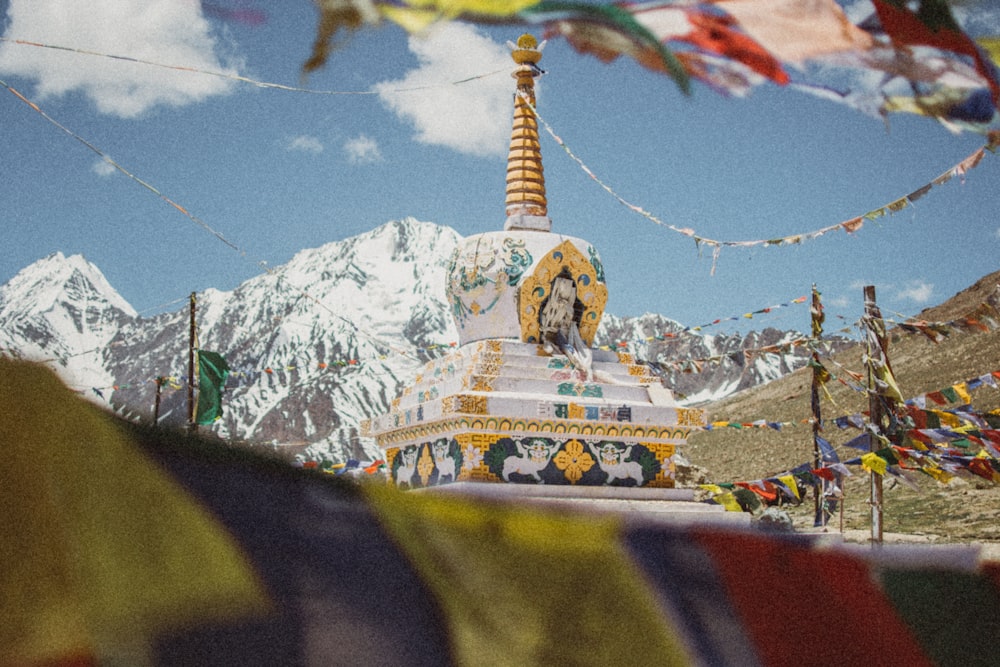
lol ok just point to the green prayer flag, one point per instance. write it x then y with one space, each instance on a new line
950 394
212 373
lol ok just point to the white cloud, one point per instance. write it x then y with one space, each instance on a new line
305 143
917 291
103 168
362 150
161 31
471 117
859 286
838 302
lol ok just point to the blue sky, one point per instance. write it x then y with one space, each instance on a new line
276 171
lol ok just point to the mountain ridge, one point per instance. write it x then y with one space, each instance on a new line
319 343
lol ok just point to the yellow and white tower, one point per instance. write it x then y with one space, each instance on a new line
527 207
525 398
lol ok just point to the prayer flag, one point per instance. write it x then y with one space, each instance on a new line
872 462
212 373
118 536
789 482
796 30
828 453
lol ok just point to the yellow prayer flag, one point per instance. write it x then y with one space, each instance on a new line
100 545
556 558
962 390
789 481
938 474
418 14
947 419
992 46
899 205
728 500
872 462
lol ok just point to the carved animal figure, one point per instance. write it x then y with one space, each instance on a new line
407 466
557 325
535 454
445 463
612 461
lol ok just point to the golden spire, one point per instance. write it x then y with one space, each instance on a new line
527 207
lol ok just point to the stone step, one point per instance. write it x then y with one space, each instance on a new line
413 409
570 389
540 368
663 506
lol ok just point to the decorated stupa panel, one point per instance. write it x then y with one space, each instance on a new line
499 282
531 458
585 293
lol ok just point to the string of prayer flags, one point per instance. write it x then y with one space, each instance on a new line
670 335
937 28
732 46
941 464
734 318
851 226
198 221
984 317
956 392
245 374
939 444
740 356
915 408
236 77
349 466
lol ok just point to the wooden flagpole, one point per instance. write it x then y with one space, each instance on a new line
156 402
190 386
816 310
874 324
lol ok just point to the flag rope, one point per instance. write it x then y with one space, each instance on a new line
850 226
244 79
198 221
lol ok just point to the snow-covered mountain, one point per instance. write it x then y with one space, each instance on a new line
315 346
705 367
63 311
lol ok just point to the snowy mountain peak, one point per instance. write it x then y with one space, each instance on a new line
42 285
63 311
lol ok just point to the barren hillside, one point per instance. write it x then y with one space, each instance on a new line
966 509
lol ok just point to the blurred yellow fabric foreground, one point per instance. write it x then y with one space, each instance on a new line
99 547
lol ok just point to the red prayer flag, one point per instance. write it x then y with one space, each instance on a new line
825 473
933 25
715 34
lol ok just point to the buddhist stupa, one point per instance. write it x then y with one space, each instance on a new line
525 399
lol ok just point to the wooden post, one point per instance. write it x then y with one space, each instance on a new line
816 310
190 386
156 402
874 325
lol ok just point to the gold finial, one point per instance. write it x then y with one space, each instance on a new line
527 50
527 207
